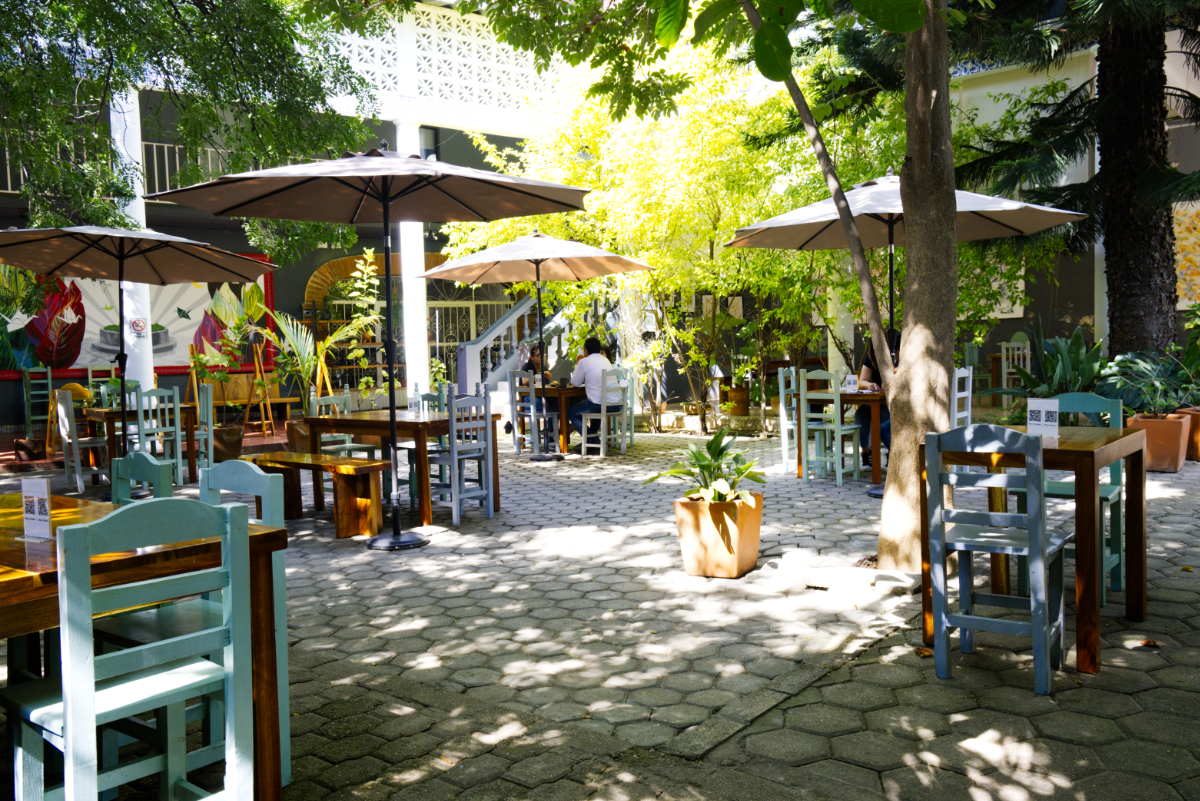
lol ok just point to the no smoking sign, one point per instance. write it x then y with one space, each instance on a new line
139 325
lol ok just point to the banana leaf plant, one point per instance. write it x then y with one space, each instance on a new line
714 470
1056 366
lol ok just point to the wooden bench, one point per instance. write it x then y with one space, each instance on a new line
357 487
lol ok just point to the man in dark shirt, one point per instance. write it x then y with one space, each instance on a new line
869 378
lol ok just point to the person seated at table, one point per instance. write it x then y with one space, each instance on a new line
534 365
870 379
589 368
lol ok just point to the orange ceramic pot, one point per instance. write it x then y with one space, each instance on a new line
740 398
1193 448
1166 440
719 540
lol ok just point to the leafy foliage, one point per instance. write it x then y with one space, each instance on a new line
1056 366
714 470
1148 382
288 241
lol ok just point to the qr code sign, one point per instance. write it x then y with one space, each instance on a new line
43 507
1035 415
1052 416
30 506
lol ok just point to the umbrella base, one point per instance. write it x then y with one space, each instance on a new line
875 491
546 457
391 541
135 495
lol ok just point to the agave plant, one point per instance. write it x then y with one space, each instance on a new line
300 355
1056 366
714 470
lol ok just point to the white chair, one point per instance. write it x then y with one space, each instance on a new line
158 426
470 440
960 403
828 427
611 416
1012 355
787 414
529 423
76 716
74 445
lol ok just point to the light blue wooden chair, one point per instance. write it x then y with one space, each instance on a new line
205 423
470 440
974 532
423 402
828 427
1112 494
787 413
527 419
158 426
339 444
158 677
143 469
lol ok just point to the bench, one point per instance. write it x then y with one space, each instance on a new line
357 487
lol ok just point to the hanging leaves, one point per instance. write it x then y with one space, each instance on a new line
897 16
672 16
773 52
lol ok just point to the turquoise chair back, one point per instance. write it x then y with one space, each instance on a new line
428 401
143 525
144 469
245 478
1093 406
333 405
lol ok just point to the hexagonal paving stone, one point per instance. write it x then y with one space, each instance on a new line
893 676
475 677
1015 701
742 683
711 699
687 682
788 747
646 734
620 713
1151 760
563 711
1073 727
1101 703
937 698
771 667
1120 680
909 722
1179 677
1163 727
977 722
825 720
655 697
680 715
857 695
1055 757
871 749
599 695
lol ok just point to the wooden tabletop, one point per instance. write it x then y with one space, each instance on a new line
378 418
873 396
1104 445
344 465
557 392
29 570
105 415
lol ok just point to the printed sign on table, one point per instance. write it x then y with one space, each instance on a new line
1042 417
35 500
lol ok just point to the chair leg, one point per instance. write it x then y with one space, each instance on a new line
29 761
456 469
1040 625
78 465
1116 542
1055 611
966 588
110 742
1022 561
941 637
170 723
857 455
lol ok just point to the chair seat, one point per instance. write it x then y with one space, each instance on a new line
128 629
40 702
990 539
1066 490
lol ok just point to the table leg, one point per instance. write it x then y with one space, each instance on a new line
1088 560
424 496
1135 536
93 456
110 430
279 575
876 443
995 380
352 510
495 471
377 499
189 422
268 769
314 447
564 427
998 502
293 499
926 582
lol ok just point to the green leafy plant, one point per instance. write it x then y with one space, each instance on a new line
438 374
756 390
1148 382
1056 366
714 470
300 354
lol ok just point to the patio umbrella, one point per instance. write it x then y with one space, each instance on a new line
536 257
879 215
140 257
379 186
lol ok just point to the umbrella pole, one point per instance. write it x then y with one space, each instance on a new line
545 455
122 357
396 540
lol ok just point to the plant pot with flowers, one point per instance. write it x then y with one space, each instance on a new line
718 523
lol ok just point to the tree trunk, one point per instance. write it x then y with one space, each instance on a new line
1139 241
919 396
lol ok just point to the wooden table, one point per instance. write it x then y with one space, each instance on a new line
29 600
415 425
111 416
876 400
1082 451
994 358
564 395
356 494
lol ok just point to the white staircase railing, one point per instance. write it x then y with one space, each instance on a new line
488 358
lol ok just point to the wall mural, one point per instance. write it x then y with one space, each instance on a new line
79 328
1187 253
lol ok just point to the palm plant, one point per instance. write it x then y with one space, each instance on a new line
714 470
1056 366
300 355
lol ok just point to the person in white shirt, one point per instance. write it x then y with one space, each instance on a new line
589 368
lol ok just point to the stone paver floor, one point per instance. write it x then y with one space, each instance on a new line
558 650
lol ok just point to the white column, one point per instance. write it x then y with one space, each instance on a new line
412 269
125 118
1100 298
842 324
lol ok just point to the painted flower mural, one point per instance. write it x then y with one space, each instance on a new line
57 331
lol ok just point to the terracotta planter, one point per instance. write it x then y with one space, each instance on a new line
297 436
775 403
1193 448
719 540
227 443
1166 440
740 398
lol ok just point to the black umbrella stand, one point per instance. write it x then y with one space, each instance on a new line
122 356
545 455
396 540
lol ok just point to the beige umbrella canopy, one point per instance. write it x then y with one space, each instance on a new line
384 187
140 257
879 215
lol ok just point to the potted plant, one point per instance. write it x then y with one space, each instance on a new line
1152 385
1189 363
213 364
718 523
